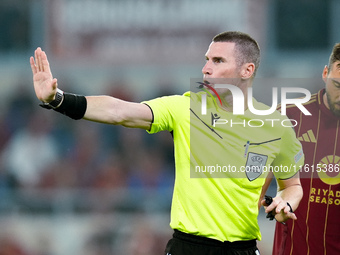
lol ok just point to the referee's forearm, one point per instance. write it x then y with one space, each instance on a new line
111 110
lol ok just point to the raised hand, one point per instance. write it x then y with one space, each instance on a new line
45 85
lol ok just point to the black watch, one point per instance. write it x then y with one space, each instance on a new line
56 102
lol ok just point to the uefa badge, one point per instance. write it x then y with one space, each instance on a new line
255 164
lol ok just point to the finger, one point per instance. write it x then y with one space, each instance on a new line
41 66
45 63
280 208
273 207
268 208
287 209
38 59
293 216
33 66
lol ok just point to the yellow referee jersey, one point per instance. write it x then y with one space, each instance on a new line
221 163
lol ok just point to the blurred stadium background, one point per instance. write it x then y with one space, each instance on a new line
74 187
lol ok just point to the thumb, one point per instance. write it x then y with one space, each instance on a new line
54 83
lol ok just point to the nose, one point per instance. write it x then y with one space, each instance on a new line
207 70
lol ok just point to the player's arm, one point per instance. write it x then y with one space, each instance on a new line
103 109
287 199
112 110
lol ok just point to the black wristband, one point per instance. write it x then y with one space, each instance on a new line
73 106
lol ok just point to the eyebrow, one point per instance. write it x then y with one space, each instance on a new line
215 58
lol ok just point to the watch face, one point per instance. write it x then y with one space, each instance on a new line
58 98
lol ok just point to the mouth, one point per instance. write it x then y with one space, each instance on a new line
207 84
204 84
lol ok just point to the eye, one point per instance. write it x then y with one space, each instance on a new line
218 60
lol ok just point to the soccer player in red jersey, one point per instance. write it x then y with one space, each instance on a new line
317 228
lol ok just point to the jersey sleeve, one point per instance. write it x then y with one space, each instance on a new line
290 158
167 111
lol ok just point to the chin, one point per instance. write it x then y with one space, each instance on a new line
223 91
335 109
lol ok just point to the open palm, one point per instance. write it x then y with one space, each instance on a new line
45 85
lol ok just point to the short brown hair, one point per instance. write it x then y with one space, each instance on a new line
335 55
247 49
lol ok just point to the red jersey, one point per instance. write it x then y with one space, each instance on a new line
317 228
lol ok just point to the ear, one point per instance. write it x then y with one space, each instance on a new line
325 73
248 70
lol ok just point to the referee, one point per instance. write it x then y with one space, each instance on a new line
210 214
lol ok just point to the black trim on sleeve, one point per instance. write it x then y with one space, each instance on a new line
153 117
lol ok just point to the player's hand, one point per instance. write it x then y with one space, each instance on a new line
279 209
45 85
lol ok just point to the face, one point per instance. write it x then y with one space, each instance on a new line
332 95
221 67
220 62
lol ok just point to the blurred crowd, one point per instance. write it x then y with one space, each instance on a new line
49 162
42 149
